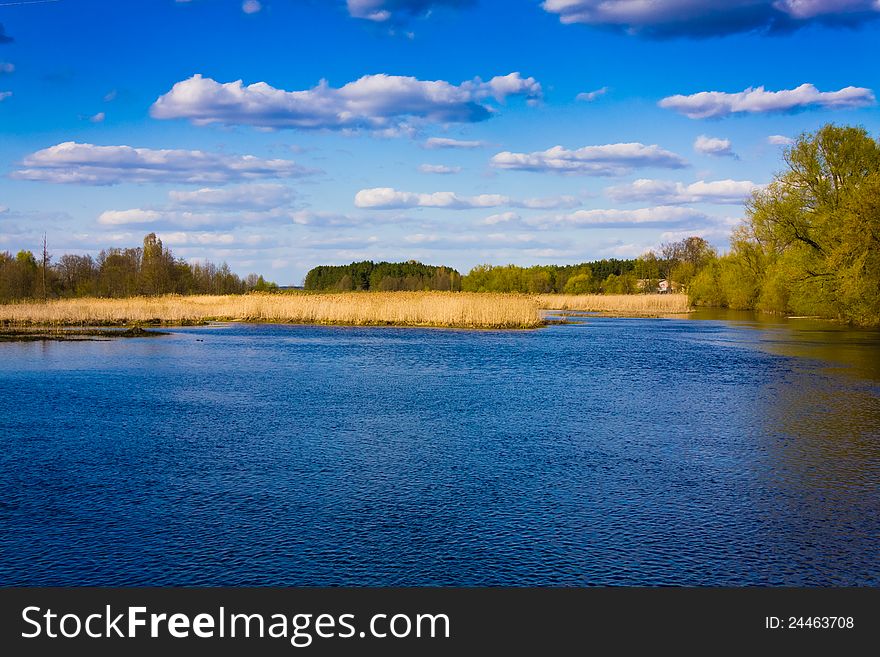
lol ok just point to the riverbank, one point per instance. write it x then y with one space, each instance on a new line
67 334
428 309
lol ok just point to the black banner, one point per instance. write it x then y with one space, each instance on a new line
316 621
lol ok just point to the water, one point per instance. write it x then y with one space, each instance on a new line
730 451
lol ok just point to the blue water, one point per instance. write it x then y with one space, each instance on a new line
639 452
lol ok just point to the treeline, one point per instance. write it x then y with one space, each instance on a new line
150 269
611 276
603 276
810 243
383 277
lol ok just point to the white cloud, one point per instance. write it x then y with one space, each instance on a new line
169 217
197 239
251 6
548 202
663 214
444 142
707 104
438 168
110 96
714 146
381 11
390 198
387 197
473 240
88 164
238 196
673 193
590 96
501 218
126 217
6 68
698 18
780 140
313 218
606 160
185 239
4 95
376 102
98 118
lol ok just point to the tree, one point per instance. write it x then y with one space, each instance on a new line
579 284
815 228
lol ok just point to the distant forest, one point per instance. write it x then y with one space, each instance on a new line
611 276
383 276
149 270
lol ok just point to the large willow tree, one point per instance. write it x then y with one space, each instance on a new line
811 242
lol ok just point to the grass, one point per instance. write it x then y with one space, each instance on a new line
440 309
619 304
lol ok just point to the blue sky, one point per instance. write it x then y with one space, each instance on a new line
450 131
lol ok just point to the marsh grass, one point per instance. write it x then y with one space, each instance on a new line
441 309
622 304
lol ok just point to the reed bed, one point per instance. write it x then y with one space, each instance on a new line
624 304
440 309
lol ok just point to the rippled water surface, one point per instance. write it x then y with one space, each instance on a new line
723 451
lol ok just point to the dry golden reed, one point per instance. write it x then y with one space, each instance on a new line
447 309
627 304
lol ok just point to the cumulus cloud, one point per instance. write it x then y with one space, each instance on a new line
444 142
228 240
714 146
186 219
126 217
605 160
98 118
251 6
180 238
72 162
501 218
237 196
666 192
336 219
590 96
387 197
780 140
708 104
698 18
390 198
659 215
438 168
375 102
381 11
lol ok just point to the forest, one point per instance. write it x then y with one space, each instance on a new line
409 276
149 270
611 276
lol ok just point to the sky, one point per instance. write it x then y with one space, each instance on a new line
277 135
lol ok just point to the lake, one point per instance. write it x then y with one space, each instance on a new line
720 449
